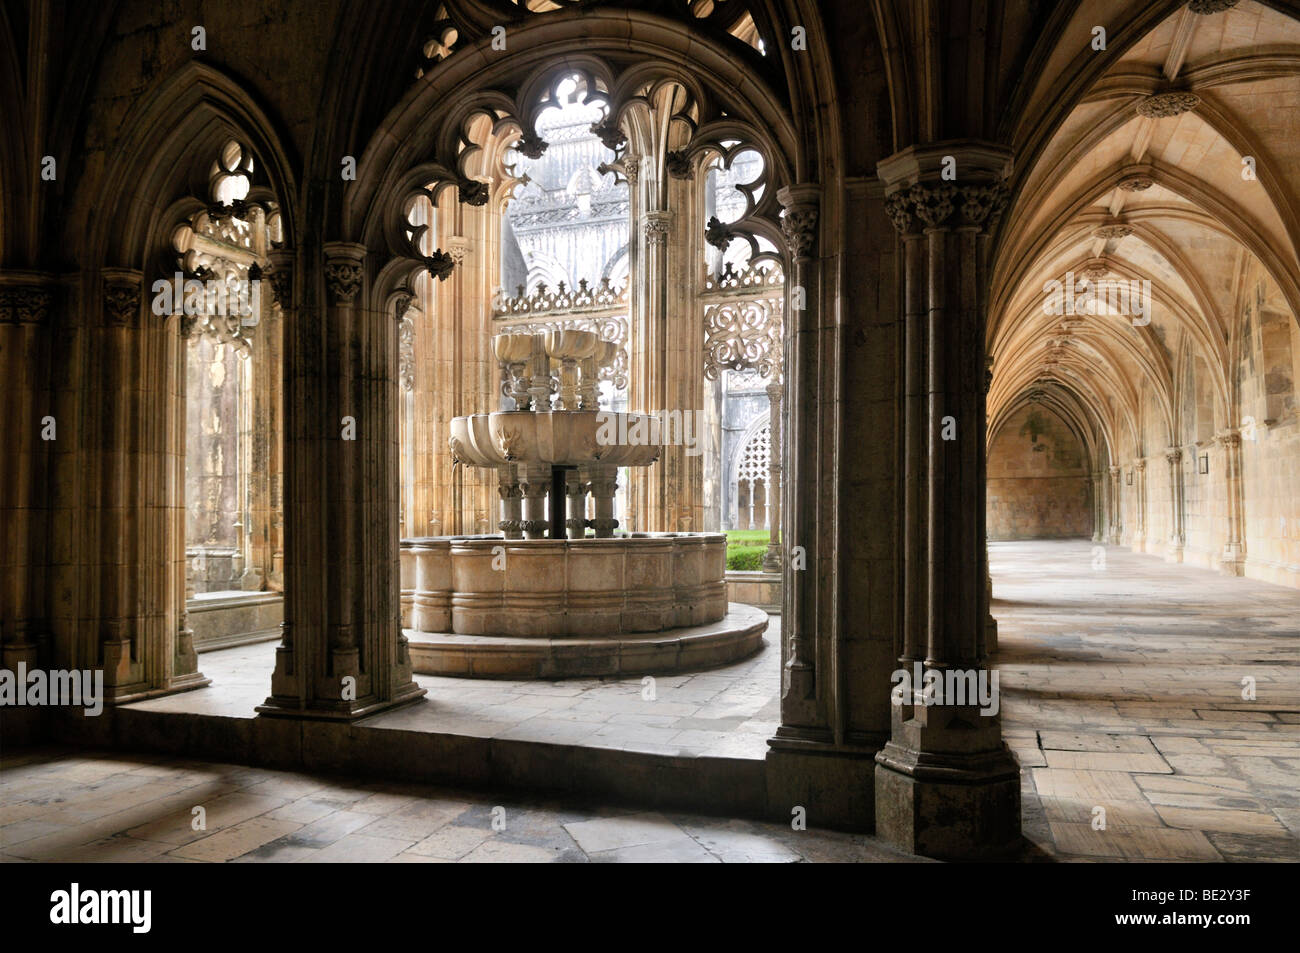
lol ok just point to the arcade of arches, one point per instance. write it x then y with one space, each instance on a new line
935 301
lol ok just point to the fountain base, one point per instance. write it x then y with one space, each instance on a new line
691 648
492 607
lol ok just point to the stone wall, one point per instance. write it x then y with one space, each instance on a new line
1037 481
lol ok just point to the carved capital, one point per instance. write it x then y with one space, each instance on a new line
281 277
344 270
799 218
898 206
25 304
679 164
658 225
982 205
1174 456
1140 465
458 248
402 304
631 169
122 294
1229 438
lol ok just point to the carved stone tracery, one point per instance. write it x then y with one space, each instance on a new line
743 335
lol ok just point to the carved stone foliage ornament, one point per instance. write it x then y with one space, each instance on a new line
942 204
799 226
610 135
657 227
1137 183
121 302
1095 269
718 234
982 205
679 164
531 145
281 278
509 443
1109 232
1163 105
405 344
343 278
25 304
473 192
440 264
1207 7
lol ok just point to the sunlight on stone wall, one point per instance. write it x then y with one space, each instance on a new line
1038 482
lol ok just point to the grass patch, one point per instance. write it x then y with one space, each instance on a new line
745 549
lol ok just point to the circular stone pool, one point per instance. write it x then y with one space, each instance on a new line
491 607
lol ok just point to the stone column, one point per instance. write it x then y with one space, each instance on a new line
772 558
1233 559
576 490
1140 485
535 484
1116 515
512 524
343 655
649 348
1174 458
603 483
804 716
1099 510
26 300
121 322
946 784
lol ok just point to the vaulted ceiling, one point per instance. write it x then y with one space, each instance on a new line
1178 166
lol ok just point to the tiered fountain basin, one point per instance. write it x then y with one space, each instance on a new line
491 607
568 438
544 599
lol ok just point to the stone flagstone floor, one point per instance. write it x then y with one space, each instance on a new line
56 805
1121 690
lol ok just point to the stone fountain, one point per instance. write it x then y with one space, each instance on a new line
543 599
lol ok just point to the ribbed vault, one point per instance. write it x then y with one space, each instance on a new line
1175 170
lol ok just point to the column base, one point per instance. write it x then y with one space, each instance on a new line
319 710
1174 553
1232 561
833 787
946 784
328 703
973 813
